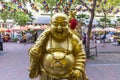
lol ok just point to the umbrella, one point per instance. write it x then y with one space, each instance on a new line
110 29
30 26
37 27
22 28
96 29
19 28
8 30
118 29
15 28
2 29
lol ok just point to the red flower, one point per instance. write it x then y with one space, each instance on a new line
73 23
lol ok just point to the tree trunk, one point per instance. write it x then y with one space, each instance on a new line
92 11
105 16
89 33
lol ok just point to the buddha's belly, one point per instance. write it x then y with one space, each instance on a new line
58 63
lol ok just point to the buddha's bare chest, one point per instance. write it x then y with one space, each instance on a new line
66 44
58 59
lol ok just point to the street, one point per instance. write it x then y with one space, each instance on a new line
14 62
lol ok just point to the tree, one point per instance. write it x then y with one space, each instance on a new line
91 6
16 12
21 18
81 22
48 5
91 9
14 6
4 15
102 20
118 21
108 7
82 17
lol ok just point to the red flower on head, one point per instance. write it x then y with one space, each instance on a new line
73 23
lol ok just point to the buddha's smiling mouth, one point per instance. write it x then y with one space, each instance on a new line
59 31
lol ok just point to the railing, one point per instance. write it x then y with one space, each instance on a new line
91 54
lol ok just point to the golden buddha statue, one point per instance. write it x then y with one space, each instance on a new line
58 53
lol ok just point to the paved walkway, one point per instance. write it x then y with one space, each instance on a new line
103 71
14 62
108 48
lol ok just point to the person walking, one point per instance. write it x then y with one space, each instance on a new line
1 43
103 37
24 38
35 35
84 40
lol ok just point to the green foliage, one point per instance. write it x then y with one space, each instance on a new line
83 16
11 11
56 5
21 18
118 19
109 7
4 15
103 20
31 17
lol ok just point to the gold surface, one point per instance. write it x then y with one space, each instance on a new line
58 53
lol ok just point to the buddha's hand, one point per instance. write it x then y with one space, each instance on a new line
76 75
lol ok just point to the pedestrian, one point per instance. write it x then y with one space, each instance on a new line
95 38
103 38
1 43
84 40
24 38
35 35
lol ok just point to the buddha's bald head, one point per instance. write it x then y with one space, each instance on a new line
59 17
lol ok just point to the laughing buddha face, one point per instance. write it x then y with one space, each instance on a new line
59 26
